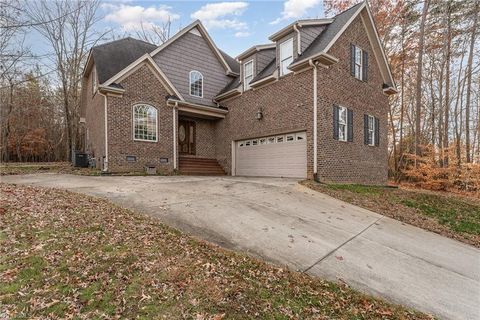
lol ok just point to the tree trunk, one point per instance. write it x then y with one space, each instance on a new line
469 82
447 84
418 94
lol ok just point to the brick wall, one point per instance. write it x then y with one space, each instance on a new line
351 162
284 110
140 87
204 138
93 108
288 105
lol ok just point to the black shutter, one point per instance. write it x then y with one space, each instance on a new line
365 129
350 125
335 121
352 59
365 66
377 132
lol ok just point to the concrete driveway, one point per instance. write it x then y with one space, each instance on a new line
283 222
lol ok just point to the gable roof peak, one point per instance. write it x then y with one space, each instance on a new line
203 31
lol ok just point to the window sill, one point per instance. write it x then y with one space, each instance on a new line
141 140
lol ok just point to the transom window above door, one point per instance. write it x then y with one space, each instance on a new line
196 84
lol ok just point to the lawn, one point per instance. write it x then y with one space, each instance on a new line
65 255
450 215
15 168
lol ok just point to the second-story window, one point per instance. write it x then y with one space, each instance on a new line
286 56
359 63
196 84
247 74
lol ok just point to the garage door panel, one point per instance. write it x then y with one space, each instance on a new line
284 159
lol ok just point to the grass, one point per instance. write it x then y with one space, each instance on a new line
65 255
452 216
17 168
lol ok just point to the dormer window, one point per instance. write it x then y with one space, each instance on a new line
247 74
286 56
196 84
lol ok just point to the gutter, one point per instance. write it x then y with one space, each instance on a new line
299 37
175 136
266 79
105 163
315 107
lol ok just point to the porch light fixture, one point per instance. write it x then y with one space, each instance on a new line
259 114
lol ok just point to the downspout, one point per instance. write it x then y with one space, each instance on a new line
315 142
105 163
175 136
299 42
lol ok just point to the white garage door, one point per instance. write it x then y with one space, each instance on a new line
275 156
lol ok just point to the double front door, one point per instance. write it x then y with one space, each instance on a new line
186 136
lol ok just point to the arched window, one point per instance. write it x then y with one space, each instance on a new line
145 122
196 84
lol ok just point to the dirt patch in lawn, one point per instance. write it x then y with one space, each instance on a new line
452 216
66 255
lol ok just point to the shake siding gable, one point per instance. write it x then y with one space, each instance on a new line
192 52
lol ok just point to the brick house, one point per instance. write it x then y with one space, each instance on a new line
312 103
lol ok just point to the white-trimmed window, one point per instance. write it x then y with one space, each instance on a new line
196 84
145 123
342 124
247 74
371 130
280 139
94 80
286 56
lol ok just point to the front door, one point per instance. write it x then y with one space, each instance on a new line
186 137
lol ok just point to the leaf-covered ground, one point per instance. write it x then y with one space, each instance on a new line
450 215
16 168
66 255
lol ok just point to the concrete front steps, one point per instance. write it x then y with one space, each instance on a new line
200 166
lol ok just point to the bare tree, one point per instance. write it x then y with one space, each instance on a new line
68 27
156 34
418 95
475 14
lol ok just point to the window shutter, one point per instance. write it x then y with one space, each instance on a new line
377 132
365 129
352 59
350 125
365 66
335 121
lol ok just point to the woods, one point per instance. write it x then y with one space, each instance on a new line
432 47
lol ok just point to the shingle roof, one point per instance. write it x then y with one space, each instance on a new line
232 63
112 57
328 34
267 71
232 85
